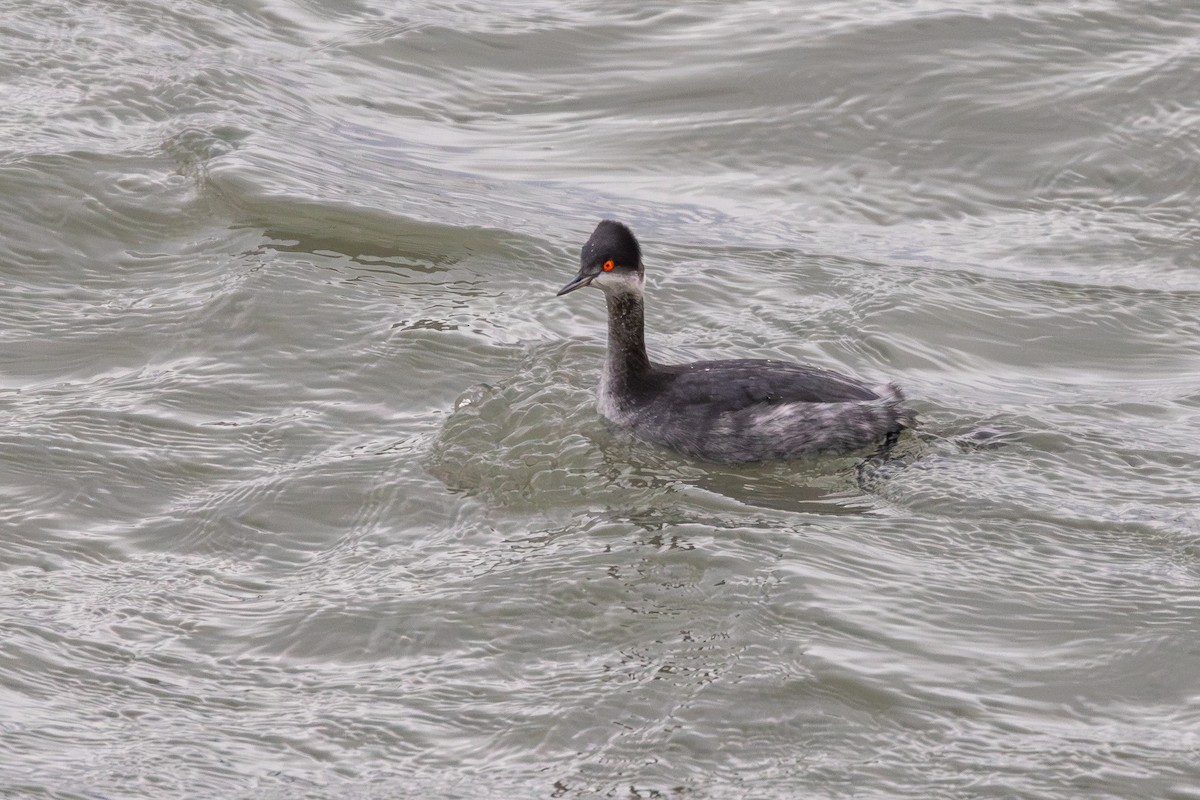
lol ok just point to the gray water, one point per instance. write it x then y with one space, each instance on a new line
303 492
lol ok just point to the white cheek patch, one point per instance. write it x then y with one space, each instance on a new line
619 282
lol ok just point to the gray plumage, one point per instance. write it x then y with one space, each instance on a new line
733 411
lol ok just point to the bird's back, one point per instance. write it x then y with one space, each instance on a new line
753 410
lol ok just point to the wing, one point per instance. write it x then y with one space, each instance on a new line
745 382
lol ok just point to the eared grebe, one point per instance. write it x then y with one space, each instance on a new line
729 411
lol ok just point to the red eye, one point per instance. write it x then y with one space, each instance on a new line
608 265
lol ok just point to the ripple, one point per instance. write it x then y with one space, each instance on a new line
303 485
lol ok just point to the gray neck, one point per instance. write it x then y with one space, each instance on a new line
626 338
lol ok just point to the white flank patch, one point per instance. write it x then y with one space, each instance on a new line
777 419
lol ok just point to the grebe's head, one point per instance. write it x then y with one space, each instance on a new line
611 260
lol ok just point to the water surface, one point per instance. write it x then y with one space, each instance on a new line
302 488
